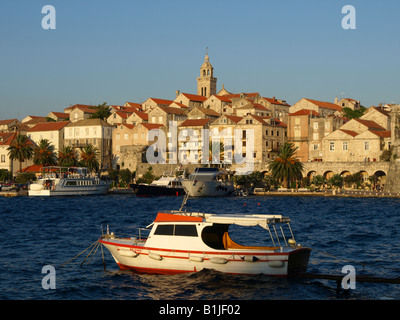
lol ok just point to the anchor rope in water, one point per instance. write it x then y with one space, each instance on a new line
354 261
94 244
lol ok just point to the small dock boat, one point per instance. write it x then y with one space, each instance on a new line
183 242
63 181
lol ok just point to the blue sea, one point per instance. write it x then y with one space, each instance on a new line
39 232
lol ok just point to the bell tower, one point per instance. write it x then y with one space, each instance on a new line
206 83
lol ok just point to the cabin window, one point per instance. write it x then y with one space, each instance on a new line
165 230
186 230
71 183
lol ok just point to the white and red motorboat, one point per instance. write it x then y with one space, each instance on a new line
181 242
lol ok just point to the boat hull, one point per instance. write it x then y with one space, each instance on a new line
207 188
81 191
168 261
149 190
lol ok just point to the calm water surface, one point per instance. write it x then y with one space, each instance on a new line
50 231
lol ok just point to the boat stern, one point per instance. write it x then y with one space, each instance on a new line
298 261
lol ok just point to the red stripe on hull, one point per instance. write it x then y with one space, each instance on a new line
153 270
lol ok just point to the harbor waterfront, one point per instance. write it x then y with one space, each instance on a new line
345 231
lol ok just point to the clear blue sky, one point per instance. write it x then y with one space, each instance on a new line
118 51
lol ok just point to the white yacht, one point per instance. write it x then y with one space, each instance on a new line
207 182
63 181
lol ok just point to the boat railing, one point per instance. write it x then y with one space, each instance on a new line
134 233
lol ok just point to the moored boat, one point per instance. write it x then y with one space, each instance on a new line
181 242
208 182
71 181
167 185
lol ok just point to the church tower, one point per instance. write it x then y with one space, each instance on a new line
206 83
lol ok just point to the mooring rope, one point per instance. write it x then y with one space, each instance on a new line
93 244
354 261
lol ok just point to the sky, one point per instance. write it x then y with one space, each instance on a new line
119 51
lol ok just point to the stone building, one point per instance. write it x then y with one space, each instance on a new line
54 132
94 132
323 108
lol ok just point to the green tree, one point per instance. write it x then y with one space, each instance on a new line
353 114
285 167
103 111
25 177
67 157
318 180
126 176
89 158
5 175
148 177
336 180
20 149
43 153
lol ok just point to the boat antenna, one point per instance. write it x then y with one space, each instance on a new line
186 197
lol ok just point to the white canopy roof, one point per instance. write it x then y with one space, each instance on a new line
246 220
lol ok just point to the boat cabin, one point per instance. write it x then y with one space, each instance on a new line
207 231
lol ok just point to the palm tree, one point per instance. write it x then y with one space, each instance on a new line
285 167
43 153
20 149
89 157
67 157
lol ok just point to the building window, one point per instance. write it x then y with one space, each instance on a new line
366 145
315 125
315 136
266 132
345 146
331 146
3 158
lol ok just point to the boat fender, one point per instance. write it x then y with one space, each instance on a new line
155 256
218 260
275 263
196 259
250 258
128 253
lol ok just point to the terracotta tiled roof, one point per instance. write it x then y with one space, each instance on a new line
150 126
32 168
181 105
60 114
382 134
7 121
141 114
162 101
305 112
223 98
129 126
8 138
234 118
134 105
274 101
49 126
78 105
195 97
326 105
370 124
194 122
350 132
